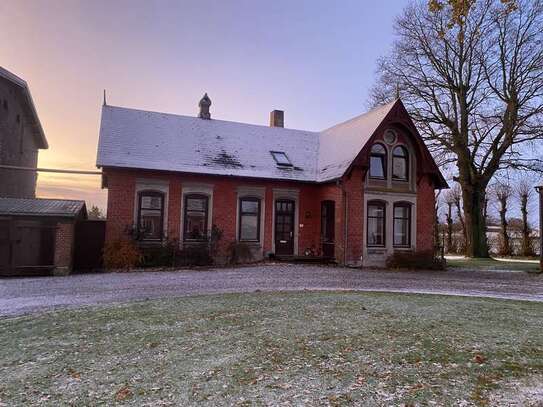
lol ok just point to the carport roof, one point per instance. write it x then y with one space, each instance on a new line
41 207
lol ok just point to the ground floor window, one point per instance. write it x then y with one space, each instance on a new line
376 224
195 217
249 219
150 215
402 225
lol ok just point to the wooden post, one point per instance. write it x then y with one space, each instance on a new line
540 192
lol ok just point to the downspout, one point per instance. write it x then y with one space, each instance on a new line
345 223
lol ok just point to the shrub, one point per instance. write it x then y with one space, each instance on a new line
160 256
239 252
422 260
197 255
121 254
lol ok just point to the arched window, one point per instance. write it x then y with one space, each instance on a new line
402 224
376 224
378 162
150 215
195 217
400 163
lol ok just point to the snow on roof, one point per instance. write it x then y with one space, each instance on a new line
40 207
140 139
340 144
40 134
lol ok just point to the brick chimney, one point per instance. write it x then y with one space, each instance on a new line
277 118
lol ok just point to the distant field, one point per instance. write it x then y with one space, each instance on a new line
273 348
493 264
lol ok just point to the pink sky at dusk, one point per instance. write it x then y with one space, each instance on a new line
313 59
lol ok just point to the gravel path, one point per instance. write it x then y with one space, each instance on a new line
29 295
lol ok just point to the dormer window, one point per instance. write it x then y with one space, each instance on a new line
378 162
281 158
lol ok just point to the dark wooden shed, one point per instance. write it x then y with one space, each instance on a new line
37 236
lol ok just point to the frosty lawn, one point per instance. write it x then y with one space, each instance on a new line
490 264
298 348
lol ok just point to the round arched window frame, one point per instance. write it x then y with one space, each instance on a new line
378 161
400 163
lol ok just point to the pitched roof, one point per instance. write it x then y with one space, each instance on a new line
41 207
38 129
340 144
131 138
140 139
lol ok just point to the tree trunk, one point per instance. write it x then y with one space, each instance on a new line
505 249
450 248
474 202
527 248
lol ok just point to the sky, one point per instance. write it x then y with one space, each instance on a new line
315 60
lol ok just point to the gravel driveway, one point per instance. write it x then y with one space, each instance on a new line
27 295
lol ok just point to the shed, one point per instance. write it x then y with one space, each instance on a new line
37 235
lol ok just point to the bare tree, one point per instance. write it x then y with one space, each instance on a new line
471 75
95 213
457 201
503 193
525 192
450 247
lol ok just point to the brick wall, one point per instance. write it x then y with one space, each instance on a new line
354 194
425 214
121 197
64 247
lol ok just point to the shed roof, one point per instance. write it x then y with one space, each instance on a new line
131 138
41 207
21 83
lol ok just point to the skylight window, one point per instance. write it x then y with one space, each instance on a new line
281 158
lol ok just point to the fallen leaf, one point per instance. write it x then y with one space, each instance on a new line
123 393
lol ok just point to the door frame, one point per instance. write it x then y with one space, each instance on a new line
293 195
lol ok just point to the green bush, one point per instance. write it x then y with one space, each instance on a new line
421 260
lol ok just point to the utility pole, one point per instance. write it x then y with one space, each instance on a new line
539 190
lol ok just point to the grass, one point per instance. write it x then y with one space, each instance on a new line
492 264
311 348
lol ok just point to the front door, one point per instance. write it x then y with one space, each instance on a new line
328 215
284 227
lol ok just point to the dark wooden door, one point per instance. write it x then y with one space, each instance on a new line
328 214
5 247
284 227
89 245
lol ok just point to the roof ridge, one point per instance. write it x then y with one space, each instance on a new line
352 119
43 199
211 120
14 78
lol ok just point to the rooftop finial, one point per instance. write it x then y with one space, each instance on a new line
105 102
204 105
397 90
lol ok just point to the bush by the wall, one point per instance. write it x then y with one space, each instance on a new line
197 255
239 252
121 254
422 260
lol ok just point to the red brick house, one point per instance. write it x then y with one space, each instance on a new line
357 192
